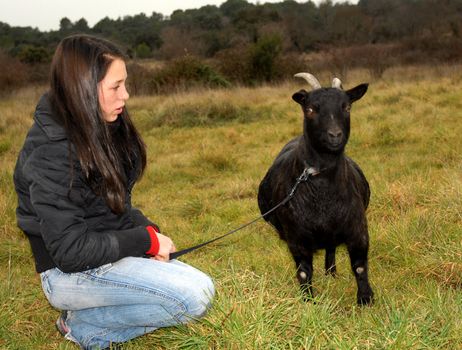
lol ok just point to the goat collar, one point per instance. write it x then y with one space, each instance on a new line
306 174
311 170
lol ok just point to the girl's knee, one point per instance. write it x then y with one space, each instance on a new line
192 289
200 297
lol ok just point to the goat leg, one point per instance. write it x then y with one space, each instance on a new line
304 265
305 277
358 259
329 264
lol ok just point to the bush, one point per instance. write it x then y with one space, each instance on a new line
263 58
233 63
431 50
256 63
285 66
138 78
176 75
184 73
143 51
34 54
376 58
14 74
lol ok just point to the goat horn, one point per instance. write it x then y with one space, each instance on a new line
337 83
310 78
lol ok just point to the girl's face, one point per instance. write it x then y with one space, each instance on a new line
112 92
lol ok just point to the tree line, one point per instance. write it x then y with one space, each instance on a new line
265 33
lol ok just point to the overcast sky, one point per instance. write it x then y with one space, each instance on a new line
46 14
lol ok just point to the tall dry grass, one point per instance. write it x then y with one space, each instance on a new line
202 180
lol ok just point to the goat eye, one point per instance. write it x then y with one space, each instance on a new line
347 108
310 111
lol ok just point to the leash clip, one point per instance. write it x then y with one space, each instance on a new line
307 172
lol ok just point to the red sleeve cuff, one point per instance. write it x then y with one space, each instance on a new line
154 249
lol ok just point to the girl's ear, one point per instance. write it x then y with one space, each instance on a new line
300 97
357 92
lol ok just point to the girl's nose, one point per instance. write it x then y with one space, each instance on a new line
124 94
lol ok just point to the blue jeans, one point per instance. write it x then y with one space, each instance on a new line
133 296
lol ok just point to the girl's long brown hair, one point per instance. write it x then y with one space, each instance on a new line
79 64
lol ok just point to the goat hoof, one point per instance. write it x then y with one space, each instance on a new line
308 299
365 299
307 294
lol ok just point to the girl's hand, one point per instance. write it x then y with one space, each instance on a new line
166 247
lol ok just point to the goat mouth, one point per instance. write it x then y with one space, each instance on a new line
335 146
336 143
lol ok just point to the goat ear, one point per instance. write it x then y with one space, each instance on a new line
300 96
357 92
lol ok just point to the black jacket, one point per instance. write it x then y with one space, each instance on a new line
72 229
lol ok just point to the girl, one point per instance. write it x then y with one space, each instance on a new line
101 261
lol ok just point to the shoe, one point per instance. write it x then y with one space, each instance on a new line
61 324
62 328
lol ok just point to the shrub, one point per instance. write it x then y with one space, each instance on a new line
181 74
431 49
233 63
14 74
285 66
34 54
263 58
256 63
143 51
138 78
376 58
184 73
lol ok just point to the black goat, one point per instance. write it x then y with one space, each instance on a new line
329 208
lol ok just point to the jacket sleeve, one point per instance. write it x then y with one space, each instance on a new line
139 219
72 245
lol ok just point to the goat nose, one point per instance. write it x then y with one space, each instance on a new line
335 134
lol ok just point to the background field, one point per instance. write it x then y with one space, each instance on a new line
208 151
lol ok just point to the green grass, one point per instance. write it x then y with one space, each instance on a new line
208 151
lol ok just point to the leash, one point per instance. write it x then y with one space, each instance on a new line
307 172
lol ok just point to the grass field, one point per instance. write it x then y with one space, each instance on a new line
208 151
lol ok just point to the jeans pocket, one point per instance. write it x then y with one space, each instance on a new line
98 271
